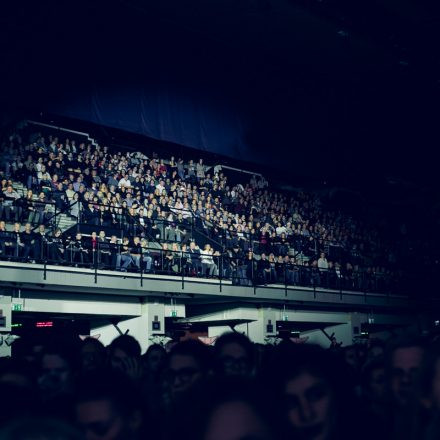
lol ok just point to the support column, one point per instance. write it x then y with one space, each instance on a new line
150 322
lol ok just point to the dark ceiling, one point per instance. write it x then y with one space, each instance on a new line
359 79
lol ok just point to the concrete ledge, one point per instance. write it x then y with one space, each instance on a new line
104 282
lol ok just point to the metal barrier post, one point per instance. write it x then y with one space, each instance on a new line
220 267
95 263
44 259
182 271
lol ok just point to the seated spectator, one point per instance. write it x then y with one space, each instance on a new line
209 267
70 193
114 248
15 245
29 209
78 250
136 252
147 259
56 247
91 215
5 239
315 274
27 239
250 267
103 249
195 255
264 270
75 206
124 259
59 197
177 260
167 258
41 207
10 208
322 262
40 244
280 270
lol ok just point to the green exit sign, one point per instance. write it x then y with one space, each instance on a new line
173 313
17 307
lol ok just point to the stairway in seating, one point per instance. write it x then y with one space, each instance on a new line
63 221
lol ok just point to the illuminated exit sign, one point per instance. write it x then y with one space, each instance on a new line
17 307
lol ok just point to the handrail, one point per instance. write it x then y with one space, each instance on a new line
222 246
241 171
241 271
156 221
142 226
93 142
62 211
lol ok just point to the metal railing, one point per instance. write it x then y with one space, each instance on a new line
91 215
185 263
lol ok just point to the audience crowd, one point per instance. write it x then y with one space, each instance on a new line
152 214
137 213
62 388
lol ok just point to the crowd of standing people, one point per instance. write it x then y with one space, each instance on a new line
66 388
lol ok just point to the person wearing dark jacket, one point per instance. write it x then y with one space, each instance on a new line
194 253
27 239
59 196
16 245
264 269
91 215
124 259
236 259
10 203
78 250
56 248
250 265
114 251
104 253
5 239
40 244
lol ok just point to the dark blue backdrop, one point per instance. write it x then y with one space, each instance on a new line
162 114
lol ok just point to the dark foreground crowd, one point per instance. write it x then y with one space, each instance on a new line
236 390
